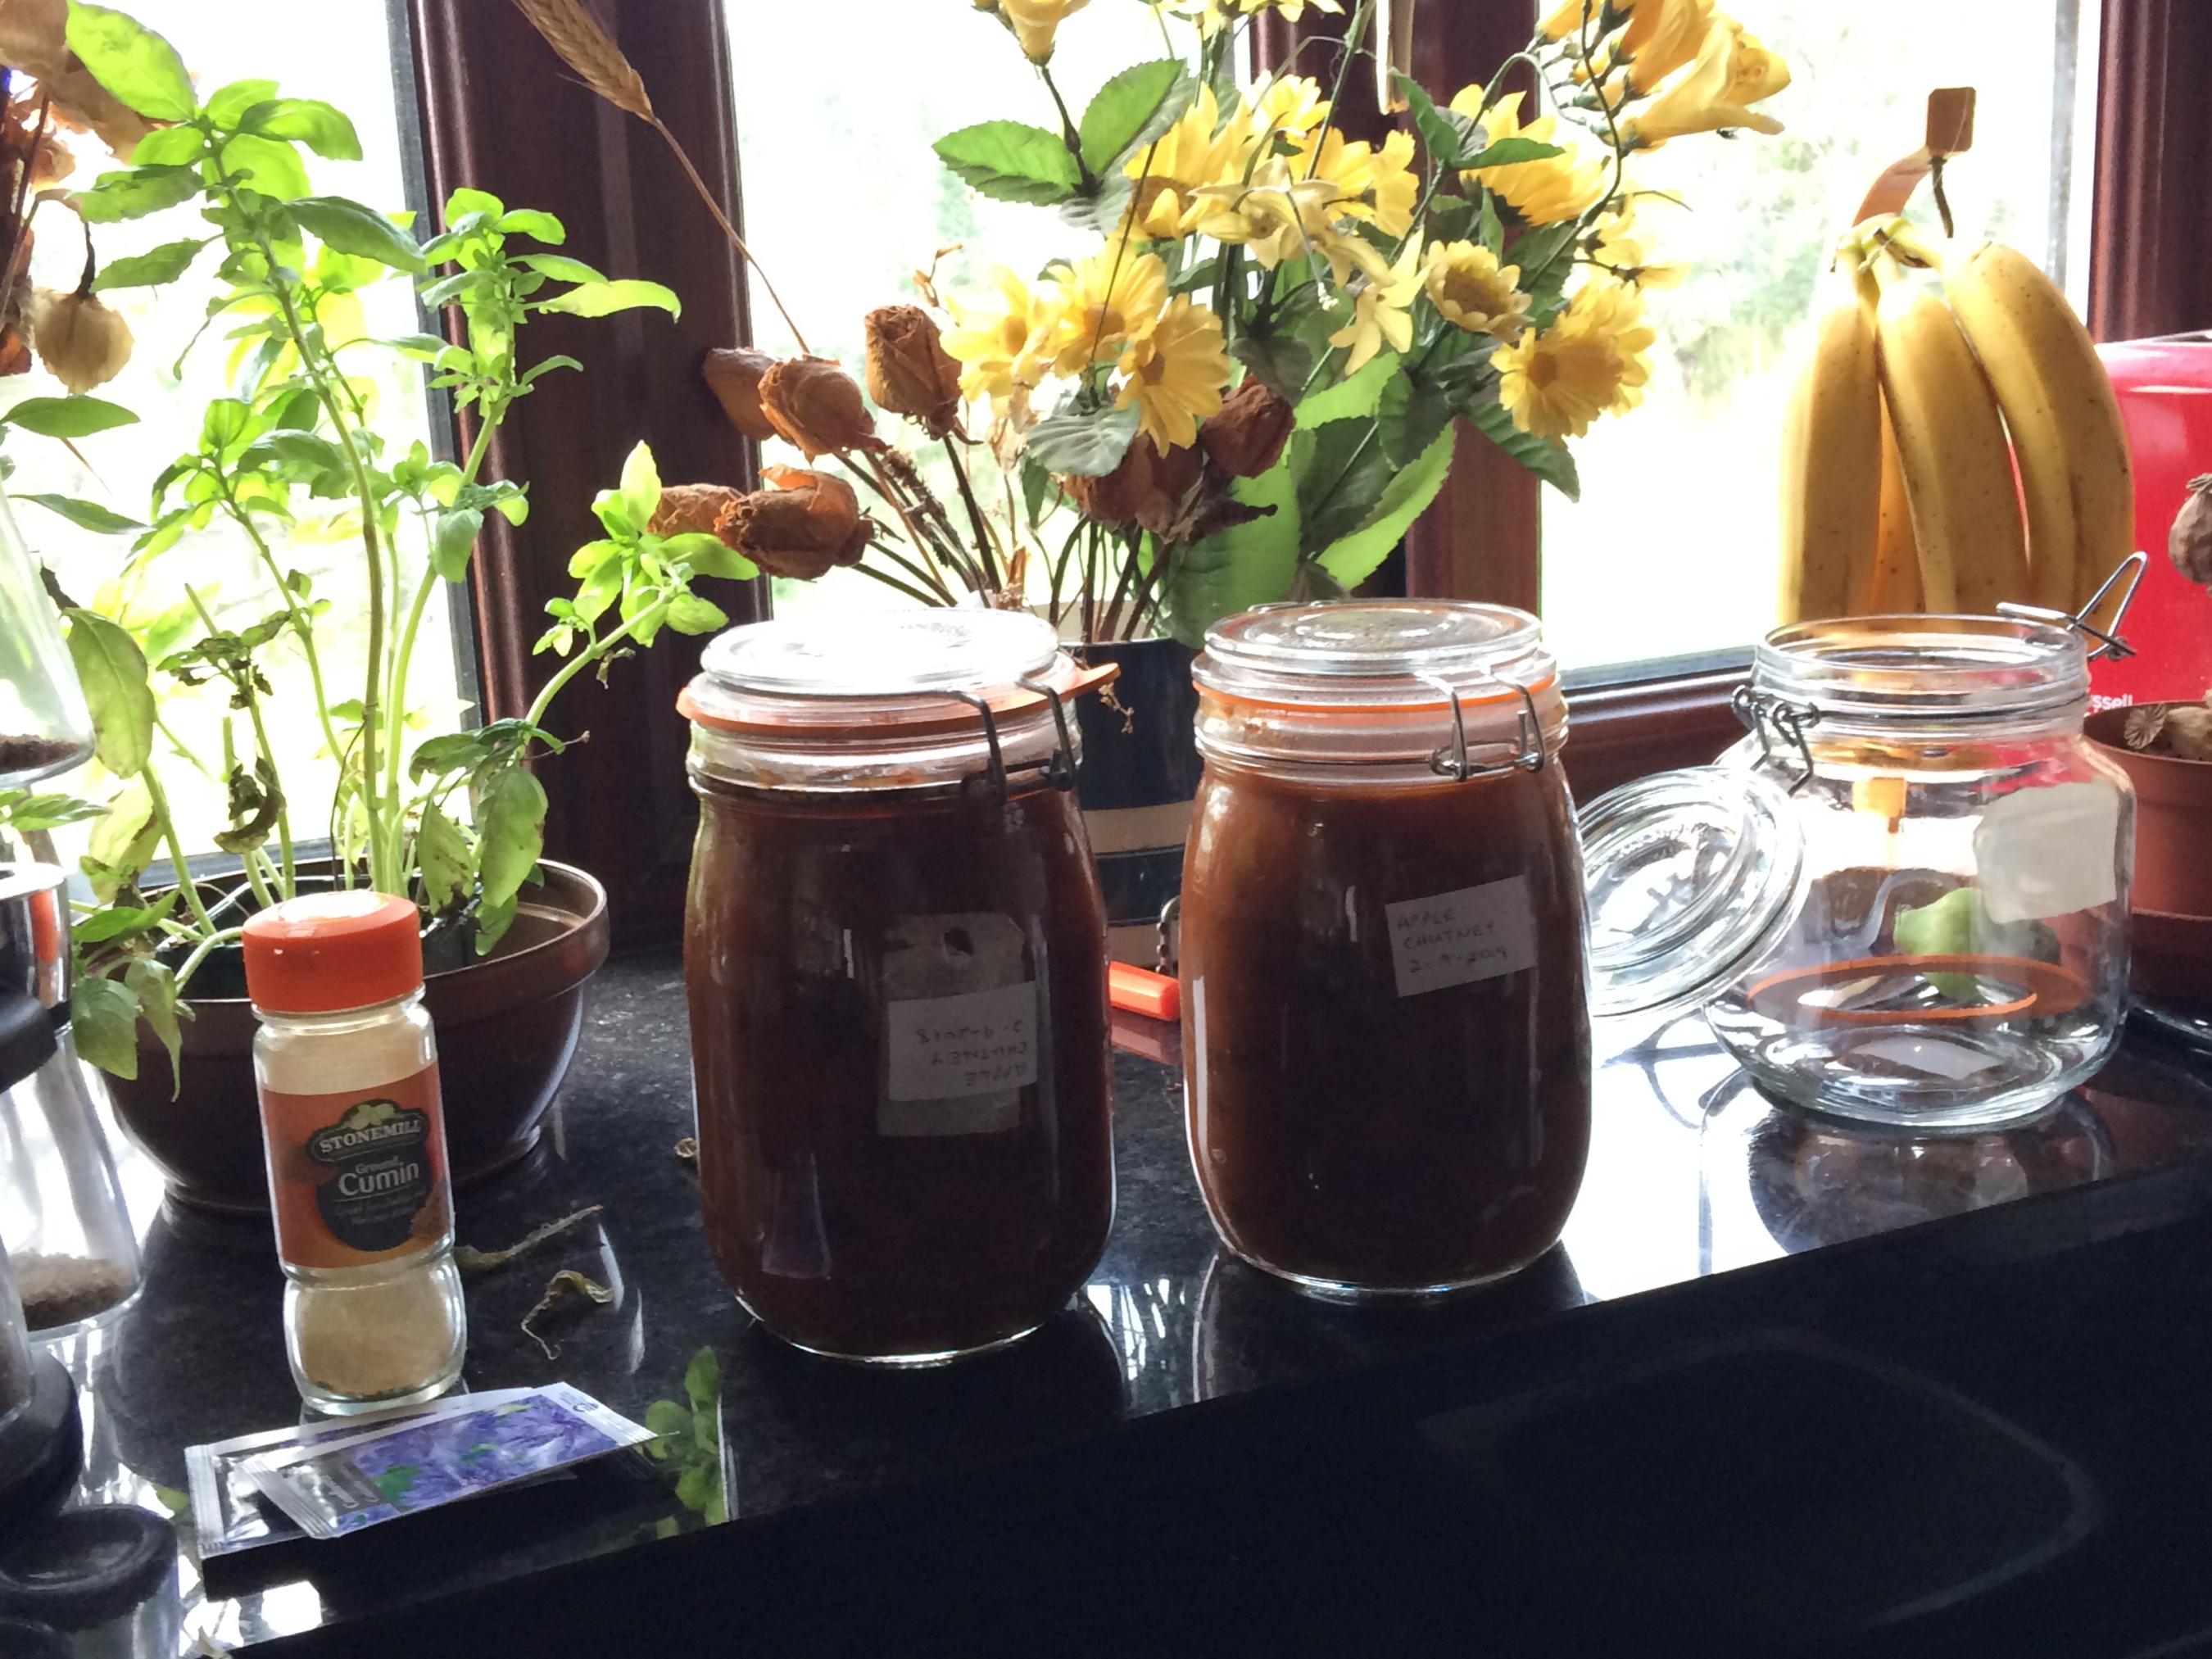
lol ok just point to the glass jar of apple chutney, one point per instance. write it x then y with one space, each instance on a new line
895 958
1386 1030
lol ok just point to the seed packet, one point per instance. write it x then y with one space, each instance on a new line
331 1489
228 1511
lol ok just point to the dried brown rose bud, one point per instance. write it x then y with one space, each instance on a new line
2189 544
691 509
1245 437
81 343
1146 489
909 372
813 403
734 374
807 523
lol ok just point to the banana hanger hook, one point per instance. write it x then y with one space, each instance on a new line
1950 132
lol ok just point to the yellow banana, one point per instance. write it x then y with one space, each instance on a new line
1893 584
2065 420
1831 468
1951 448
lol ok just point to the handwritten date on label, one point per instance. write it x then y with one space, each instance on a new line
1456 938
949 1048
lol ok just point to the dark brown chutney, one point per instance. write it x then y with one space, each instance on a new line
1342 1133
837 1236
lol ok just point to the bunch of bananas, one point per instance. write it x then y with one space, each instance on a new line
1952 443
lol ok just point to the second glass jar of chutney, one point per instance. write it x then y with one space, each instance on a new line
895 959
1386 1038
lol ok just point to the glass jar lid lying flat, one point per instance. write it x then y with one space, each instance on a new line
884 699
1422 688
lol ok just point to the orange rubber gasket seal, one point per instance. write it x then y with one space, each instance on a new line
809 721
2052 989
1508 692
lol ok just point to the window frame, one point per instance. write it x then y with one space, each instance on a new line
498 110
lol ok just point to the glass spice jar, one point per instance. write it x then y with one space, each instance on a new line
1903 899
895 956
1386 1040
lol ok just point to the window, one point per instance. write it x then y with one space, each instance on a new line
1671 550
346 58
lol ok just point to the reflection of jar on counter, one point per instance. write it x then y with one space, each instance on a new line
894 956
1904 899
1386 1043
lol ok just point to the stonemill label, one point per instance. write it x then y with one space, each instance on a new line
357 1176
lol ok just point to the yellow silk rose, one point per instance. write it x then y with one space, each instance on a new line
1037 21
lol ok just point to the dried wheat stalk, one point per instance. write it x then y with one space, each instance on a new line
575 33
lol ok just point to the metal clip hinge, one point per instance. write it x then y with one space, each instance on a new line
1452 762
1770 718
2108 642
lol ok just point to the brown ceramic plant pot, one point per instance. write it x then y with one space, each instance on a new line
2169 948
506 1028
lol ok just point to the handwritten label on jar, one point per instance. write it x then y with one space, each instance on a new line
1456 939
960 1025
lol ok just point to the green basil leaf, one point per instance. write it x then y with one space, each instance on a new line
149 269
112 672
115 196
604 299
87 515
322 128
271 168
1134 108
689 614
443 855
560 267
640 488
510 835
533 223
457 539
225 105
352 228
104 1019
133 62
168 147
155 985
1011 162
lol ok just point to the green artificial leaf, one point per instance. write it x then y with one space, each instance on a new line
1489 229
1342 473
1409 414
155 985
604 299
1352 559
67 417
702 1387
225 105
272 168
640 487
1355 397
457 539
322 128
104 1019
162 264
133 62
510 835
1508 152
1248 564
86 515
352 228
1448 134
1011 162
1037 490
1134 108
1554 465
112 672
1545 256
115 196
443 855
1450 219
1083 446
1280 362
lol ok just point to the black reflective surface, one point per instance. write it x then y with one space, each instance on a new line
1403 1444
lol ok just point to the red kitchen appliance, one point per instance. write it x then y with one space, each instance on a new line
2165 387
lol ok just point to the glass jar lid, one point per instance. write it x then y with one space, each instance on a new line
1381 682
1689 876
1946 672
882 652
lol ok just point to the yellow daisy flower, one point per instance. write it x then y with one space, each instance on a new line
1174 374
1471 290
1544 192
1278 214
1190 154
1291 105
1621 246
1379 312
1589 363
992 337
1100 305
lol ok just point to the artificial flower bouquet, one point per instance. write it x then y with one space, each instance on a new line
1243 381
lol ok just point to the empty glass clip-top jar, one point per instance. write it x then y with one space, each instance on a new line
1903 899
1386 1035
895 957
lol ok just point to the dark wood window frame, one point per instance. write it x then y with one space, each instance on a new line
500 112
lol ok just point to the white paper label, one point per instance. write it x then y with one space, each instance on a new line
950 1048
2048 852
1456 938
1929 1057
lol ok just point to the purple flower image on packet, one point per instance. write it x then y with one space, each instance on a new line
335 1490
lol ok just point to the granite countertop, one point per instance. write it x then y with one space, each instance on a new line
1694 1182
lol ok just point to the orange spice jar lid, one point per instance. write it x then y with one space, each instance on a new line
323 951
